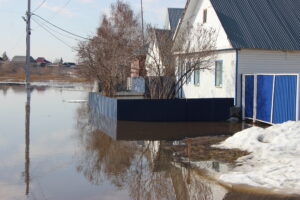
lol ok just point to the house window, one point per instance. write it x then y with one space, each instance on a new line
197 76
204 16
219 73
188 73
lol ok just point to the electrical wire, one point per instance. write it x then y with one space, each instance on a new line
33 14
53 35
53 30
60 9
40 5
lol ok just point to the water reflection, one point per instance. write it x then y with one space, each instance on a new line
27 142
159 166
69 159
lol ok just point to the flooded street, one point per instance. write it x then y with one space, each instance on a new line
50 150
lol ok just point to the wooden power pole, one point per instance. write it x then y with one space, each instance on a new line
28 33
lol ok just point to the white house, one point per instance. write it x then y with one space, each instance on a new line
161 41
253 36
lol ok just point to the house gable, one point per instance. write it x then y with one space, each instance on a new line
193 16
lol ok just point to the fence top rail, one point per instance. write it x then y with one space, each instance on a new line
276 74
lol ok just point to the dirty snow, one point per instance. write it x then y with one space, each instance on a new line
274 159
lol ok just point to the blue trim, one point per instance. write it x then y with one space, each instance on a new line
236 77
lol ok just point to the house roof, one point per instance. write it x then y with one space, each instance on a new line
164 42
260 24
174 16
42 60
22 59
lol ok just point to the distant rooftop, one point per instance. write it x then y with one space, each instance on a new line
42 60
174 15
22 59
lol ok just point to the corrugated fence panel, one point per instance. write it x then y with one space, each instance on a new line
249 95
285 98
264 97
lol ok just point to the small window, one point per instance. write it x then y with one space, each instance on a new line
197 76
188 73
219 73
204 16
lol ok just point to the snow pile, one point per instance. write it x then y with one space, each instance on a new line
274 161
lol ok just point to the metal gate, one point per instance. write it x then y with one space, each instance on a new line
271 98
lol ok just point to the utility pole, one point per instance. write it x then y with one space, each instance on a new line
142 13
28 33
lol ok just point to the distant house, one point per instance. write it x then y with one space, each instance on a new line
157 59
41 61
22 60
253 36
69 64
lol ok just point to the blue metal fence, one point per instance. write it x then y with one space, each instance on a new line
271 98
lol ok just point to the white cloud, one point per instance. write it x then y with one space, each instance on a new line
86 1
59 9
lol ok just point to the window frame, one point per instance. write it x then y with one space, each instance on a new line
204 19
197 69
189 74
216 74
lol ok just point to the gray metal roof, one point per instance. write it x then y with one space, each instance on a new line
22 59
174 16
261 24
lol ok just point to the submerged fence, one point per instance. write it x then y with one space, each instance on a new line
161 110
271 98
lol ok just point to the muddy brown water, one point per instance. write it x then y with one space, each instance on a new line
49 150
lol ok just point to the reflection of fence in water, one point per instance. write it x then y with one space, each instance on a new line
103 113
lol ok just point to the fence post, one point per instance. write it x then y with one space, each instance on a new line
297 98
273 95
243 96
255 98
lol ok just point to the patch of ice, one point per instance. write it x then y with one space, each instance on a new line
75 101
274 160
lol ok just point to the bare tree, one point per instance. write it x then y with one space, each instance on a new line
107 56
5 57
192 49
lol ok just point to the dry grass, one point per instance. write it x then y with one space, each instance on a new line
9 72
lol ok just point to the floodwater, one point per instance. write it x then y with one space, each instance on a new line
49 150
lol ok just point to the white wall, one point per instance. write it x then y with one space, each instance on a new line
153 60
207 88
194 17
264 61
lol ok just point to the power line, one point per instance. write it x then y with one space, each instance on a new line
39 6
53 34
53 30
60 28
60 9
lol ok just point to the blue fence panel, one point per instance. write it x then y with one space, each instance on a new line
264 97
249 95
285 98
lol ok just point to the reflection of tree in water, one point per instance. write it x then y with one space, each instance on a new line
147 170
4 89
105 158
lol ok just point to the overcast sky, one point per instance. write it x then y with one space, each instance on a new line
79 16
